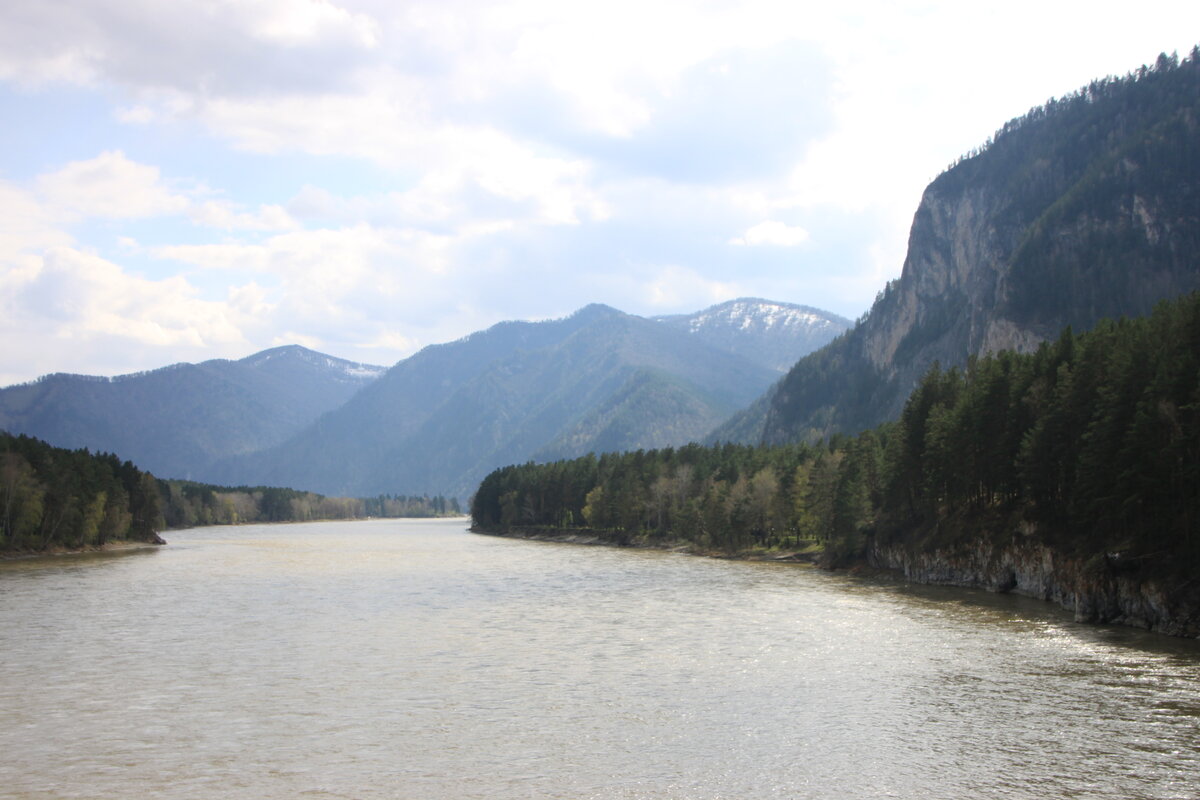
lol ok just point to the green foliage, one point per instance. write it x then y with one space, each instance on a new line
187 504
727 499
50 497
56 498
1123 223
1091 444
1093 441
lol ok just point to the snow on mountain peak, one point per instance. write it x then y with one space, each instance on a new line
747 314
352 370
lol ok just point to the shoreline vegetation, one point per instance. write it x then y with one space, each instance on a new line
1071 474
58 500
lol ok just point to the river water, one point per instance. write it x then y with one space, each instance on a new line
411 659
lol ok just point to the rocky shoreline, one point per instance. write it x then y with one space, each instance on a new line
1104 590
1099 591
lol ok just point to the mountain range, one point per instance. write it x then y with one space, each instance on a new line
1085 208
438 421
177 420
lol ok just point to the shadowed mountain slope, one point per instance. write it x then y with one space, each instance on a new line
1086 208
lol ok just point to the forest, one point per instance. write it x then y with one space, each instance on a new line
53 498
1090 445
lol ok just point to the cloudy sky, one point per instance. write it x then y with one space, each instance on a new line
188 180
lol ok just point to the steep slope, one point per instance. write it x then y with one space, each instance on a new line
441 420
177 420
774 335
651 409
342 450
1086 208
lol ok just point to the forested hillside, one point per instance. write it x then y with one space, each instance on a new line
1086 208
53 498
1087 451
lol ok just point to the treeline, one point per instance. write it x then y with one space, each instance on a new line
187 504
1090 445
1142 87
50 497
56 498
729 498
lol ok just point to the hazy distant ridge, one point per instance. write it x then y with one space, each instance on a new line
177 420
599 380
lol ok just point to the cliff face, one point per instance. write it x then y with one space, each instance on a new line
1086 208
1098 591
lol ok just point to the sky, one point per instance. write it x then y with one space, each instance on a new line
191 180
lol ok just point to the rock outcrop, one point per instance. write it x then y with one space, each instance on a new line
1099 590
1084 209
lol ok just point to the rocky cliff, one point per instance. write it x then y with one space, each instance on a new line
1085 208
1103 589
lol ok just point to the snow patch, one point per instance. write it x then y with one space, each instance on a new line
746 316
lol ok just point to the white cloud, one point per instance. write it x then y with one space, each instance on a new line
772 232
664 288
223 214
194 46
251 300
111 186
26 227
81 313
474 161
344 286
90 295
293 23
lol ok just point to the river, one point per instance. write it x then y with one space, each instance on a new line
412 659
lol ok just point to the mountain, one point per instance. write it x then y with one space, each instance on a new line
177 420
774 335
439 421
1085 208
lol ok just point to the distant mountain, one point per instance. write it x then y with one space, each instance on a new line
439 421
774 335
1085 208
177 420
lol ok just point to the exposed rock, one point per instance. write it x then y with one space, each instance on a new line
1098 591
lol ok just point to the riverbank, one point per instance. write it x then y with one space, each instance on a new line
604 538
118 546
1101 591
1104 589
